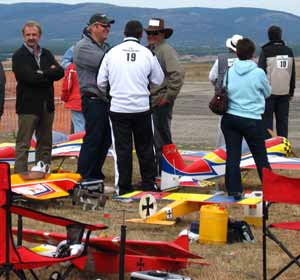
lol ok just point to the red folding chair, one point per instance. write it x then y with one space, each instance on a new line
15 258
285 190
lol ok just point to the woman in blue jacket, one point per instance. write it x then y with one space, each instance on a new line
247 89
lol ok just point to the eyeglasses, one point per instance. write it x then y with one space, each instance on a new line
102 25
153 33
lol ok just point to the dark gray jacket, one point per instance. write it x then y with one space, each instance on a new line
224 62
87 57
2 88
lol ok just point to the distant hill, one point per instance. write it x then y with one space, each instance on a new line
194 28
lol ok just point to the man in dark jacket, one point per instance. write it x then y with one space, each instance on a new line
2 89
277 60
35 69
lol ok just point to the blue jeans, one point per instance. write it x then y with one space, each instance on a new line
234 129
97 139
78 121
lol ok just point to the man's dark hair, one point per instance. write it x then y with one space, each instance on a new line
274 33
245 49
134 29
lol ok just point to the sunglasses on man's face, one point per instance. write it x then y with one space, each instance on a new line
153 33
103 25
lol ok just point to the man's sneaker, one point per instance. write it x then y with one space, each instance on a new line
41 167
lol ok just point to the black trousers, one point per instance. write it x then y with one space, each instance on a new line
127 127
162 117
277 105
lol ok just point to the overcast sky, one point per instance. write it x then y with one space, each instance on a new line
291 6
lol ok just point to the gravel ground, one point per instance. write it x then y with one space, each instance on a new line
195 126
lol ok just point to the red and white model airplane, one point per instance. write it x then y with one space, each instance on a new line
176 172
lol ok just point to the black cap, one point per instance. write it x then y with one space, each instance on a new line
102 18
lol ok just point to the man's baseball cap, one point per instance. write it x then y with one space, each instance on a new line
101 18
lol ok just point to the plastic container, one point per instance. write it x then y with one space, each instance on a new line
213 224
253 213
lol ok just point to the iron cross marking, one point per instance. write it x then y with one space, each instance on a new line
140 264
148 206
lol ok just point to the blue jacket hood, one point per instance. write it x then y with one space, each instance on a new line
242 67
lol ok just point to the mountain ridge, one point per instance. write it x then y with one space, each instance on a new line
193 27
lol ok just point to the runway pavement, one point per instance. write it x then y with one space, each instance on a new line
194 125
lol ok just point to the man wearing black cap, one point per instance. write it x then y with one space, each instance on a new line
163 96
277 60
88 53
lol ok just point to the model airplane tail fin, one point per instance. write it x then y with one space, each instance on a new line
182 241
172 157
278 145
172 163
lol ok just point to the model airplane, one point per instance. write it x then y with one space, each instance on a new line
139 255
181 205
176 172
39 186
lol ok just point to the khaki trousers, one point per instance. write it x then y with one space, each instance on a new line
29 124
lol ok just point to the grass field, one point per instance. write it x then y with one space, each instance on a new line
238 261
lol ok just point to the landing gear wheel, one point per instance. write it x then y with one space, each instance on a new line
75 195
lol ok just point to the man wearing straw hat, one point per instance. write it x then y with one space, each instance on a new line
163 96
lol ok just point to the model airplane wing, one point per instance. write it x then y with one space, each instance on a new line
70 149
276 162
51 187
140 255
193 197
176 249
40 191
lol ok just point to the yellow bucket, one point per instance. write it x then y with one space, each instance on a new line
213 224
